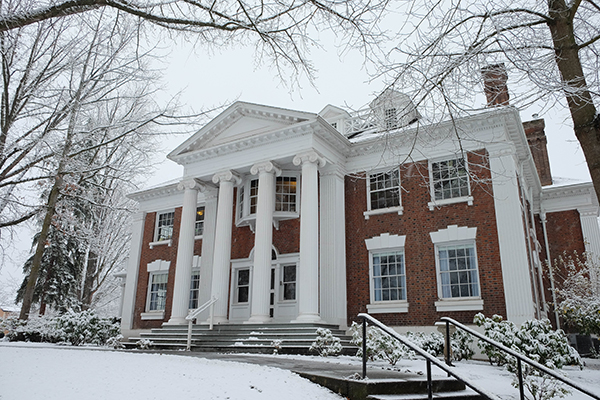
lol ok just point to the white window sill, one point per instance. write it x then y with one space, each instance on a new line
388 307
153 315
445 202
198 237
466 304
380 211
160 243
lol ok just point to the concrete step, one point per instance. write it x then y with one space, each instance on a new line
466 394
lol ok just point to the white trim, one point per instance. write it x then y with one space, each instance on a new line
151 315
453 233
459 304
439 203
152 244
386 241
158 265
380 211
390 306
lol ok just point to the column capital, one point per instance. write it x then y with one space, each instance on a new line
227 176
589 211
334 170
191 184
265 166
309 156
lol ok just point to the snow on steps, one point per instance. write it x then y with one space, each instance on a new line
247 338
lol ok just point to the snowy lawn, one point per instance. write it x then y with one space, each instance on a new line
42 371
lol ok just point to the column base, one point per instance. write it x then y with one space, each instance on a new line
258 319
176 321
310 318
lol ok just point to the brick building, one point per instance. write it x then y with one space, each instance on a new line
288 216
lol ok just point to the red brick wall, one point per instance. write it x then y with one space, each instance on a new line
160 252
564 236
416 223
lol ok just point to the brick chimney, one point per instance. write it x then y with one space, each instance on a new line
494 85
536 137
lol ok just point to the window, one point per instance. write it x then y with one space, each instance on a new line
286 199
458 271
194 290
242 290
384 189
158 291
289 282
390 118
164 226
387 274
285 194
450 179
389 277
199 229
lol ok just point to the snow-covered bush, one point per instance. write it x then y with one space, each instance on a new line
433 342
461 343
144 344
537 340
579 294
76 328
326 344
276 344
85 327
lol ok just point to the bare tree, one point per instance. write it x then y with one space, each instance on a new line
282 30
551 50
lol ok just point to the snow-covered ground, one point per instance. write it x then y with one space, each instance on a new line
41 371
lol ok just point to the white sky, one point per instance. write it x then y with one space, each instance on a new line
203 81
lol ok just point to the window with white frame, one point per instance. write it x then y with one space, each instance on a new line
199 227
164 226
194 290
390 118
286 198
157 293
449 179
387 274
288 282
242 286
457 269
384 189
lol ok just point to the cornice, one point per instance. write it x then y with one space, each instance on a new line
153 193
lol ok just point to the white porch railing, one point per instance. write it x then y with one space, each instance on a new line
194 314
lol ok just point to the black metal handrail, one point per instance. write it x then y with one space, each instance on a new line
428 357
520 359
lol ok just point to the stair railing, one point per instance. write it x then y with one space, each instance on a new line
194 314
428 358
520 359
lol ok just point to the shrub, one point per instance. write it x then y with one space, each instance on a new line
75 328
326 344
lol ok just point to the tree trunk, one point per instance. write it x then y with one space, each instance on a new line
39 251
88 283
586 123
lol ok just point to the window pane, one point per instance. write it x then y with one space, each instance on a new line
389 281
384 189
458 271
449 179
199 229
165 226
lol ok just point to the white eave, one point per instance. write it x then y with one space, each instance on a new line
578 196
166 189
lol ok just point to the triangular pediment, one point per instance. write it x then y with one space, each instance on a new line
240 121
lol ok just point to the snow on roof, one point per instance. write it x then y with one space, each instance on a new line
558 181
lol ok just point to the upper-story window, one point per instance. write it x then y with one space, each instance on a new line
286 198
164 226
384 192
199 227
449 182
390 118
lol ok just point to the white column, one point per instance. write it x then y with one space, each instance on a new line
133 267
222 249
263 241
591 236
185 251
208 249
511 236
333 246
308 271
